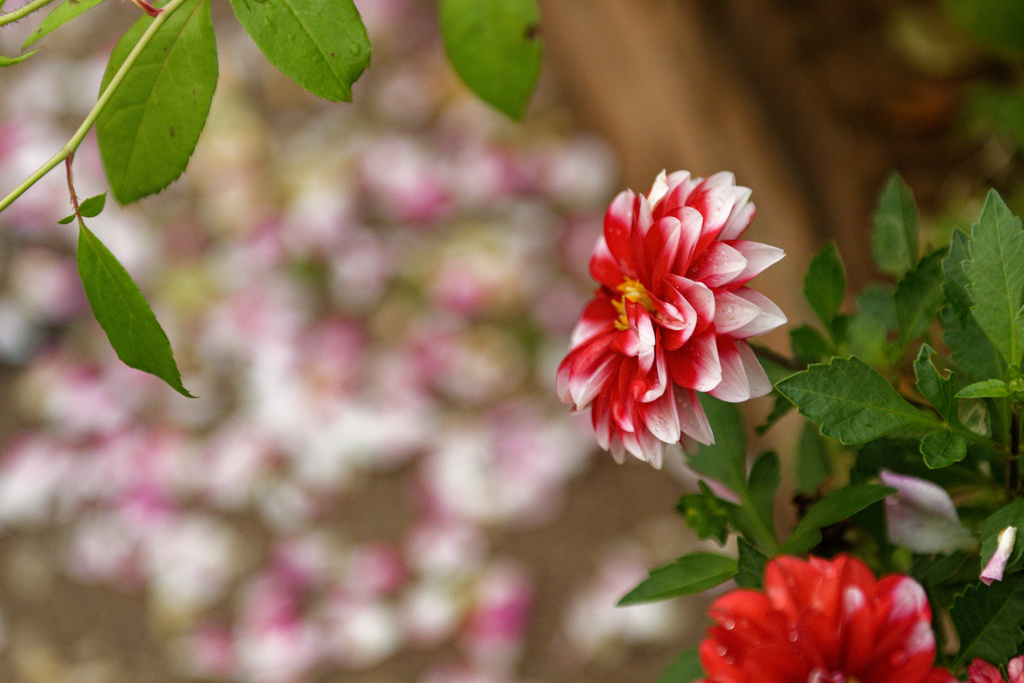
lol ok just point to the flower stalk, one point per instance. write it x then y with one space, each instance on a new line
68 149
22 12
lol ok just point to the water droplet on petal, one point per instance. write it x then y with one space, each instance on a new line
729 624
793 636
898 658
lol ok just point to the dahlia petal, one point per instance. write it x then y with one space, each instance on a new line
642 223
718 265
691 224
770 316
678 316
759 258
579 361
740 217
618 225
601 419
702 299
660 248
757 378
1015 669
734 387
604 267
693 422
981 671
631 444
618 451
646 338
715 204
680 185
584 387
697 365
597 319
661 417
659 189
656 384
652 449
774 663
627 342
732 312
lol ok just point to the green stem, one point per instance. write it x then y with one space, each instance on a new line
1013 462
105 96
21 12
777 358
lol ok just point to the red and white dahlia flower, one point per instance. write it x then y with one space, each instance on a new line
671 315
823 621
981 671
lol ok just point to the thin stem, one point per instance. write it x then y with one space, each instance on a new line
777 358
71 183
21 12
94 113
1013 462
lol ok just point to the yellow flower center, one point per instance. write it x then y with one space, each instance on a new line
631 290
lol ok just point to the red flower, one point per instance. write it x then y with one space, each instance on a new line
671 315
981 671
823 621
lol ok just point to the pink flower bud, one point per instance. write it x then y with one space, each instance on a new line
993 571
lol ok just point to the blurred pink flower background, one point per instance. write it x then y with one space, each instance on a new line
371 301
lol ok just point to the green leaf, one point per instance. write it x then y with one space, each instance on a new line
879 301
997 279
990 388
686 668
942 448
996 24
989 530
919 296
707 514
694 573
92 206
63 13
825 284
495 48
11 61
319 44
971 351
123 313
726 459
940 391
763 482
894 239
780 408
808 345
811 460
987 619
864 336
834 507
935 569
850 400
750 571
150 126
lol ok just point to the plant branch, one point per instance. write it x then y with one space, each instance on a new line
777 358
94 113
21 12
1013 462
